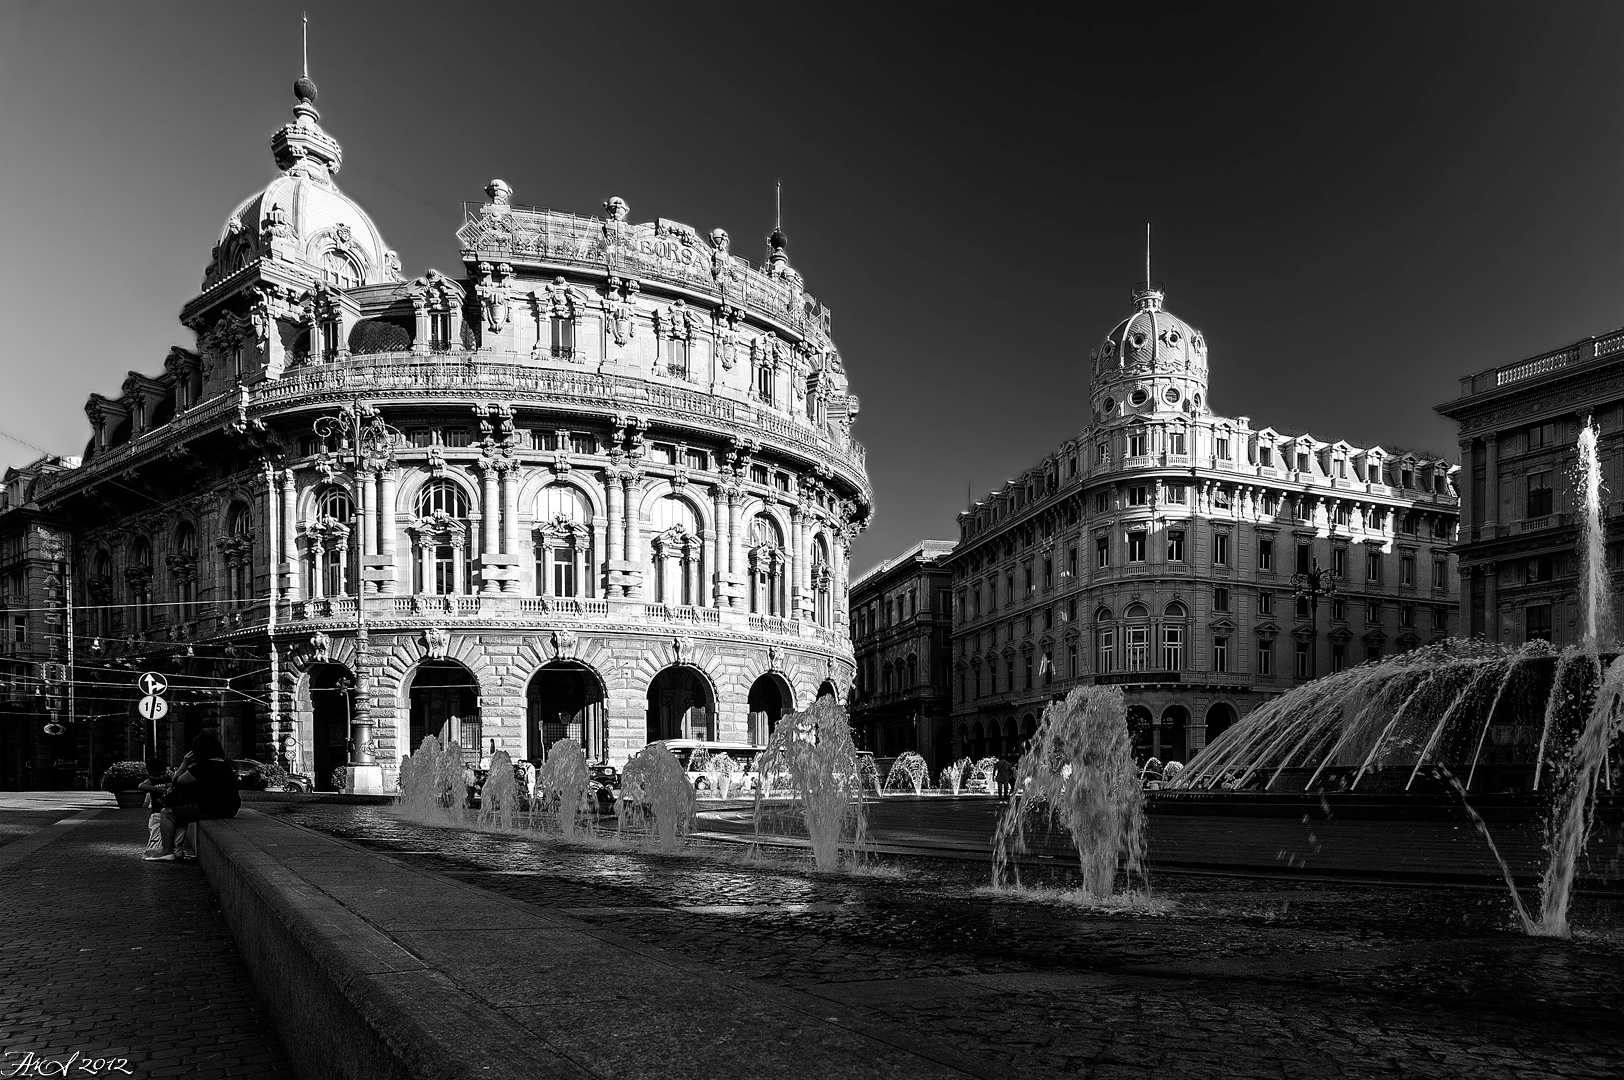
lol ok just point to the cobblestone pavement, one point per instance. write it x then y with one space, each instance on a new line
127 964
1213 976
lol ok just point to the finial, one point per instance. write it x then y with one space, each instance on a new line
778 209
303 88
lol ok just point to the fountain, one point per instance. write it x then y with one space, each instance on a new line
982 770
654 785
498 796
722 771
1467 717
907 771
431 783
953 775
1078 772
813 752
561 786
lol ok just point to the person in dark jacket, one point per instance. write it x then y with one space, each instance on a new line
205 788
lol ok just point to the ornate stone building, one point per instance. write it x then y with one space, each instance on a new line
1519 426
599 484
901 626
1157 550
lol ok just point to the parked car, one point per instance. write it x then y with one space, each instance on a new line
258 776
696 764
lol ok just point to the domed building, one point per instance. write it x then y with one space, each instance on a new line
597 484
1202 563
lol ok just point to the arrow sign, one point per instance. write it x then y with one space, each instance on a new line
153 708
152 684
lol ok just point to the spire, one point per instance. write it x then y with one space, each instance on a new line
303 146
1148 294
777 261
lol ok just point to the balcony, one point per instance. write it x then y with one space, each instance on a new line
562 605
683 613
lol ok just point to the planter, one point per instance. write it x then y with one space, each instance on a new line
130 800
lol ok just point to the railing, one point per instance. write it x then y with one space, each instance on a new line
1545 521
1578 353
431 604
682 613
773 624
563 605
324 607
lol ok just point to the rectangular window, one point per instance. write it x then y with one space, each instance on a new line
1303 661
563 338
1302 607
456 437
1341 468
1220 499
421 437
1009 588
1030 586
1223 449
1373 566
1540 496
1172 648
1102 552
544 440
1406 614
1139 495
976 603
1339 562
695 459
1102 502
1071 662
1026 669
1175 442
1406 569
1175 545
1440 572
1220 654
1265 456
764 383
1537 622
1339 655
1265 553
1071 561
1048 618
1106 661
1342 515
1265 658
992 594
1102 452
583 443
758 474
1305 556
1071 610
1009 675
563 571
1373 651
1138 642
1373 611
1440 618
1339 609
1136 547
1220 549
1265 602
1176 494
1048 573
1541 436
1220 599
676 358
1136 444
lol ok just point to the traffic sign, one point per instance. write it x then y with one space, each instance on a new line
152 684
153 708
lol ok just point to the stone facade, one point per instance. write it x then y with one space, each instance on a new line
1520 506
901 626
1164 549
601 485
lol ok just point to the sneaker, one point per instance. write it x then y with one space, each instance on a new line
160 858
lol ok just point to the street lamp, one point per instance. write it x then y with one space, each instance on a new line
365 443
1310 585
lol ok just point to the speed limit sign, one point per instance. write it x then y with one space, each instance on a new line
153 708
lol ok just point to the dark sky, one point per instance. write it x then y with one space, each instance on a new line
1356 204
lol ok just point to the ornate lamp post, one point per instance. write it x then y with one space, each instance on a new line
365 443
1310 586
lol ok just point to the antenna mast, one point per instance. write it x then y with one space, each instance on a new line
1147 255
305 18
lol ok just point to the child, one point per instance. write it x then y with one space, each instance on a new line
155 785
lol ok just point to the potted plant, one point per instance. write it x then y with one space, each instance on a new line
123 779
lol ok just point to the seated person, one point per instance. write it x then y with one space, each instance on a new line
205 788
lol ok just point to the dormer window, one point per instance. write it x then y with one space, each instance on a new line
339 270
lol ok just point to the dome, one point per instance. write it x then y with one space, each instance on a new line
302 215
1151 341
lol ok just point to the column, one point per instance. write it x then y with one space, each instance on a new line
718 542
491 524
1491 484
634 534
386 523
510 510
1491 602
1468 508
797 565
318 577
290 545
367 492
735 540
616 530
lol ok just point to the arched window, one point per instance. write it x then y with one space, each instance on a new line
766 562
675 552
139 576
1137 637
332 562
340 270
563 542
441 536
183 565
822 582
239 550
1173 637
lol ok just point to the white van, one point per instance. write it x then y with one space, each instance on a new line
696 764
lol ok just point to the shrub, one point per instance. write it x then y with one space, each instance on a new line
124 776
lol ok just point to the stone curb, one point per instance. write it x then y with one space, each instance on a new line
349 1001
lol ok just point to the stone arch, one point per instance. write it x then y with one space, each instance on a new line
416 480
1173 734
652 494
305 509
442 698
585 485
1221 716
770 697
326 702
681 704
827 688
977 746
566 698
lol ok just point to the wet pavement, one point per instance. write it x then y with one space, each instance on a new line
1211 976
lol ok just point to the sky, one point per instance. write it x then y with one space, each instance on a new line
1356 204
